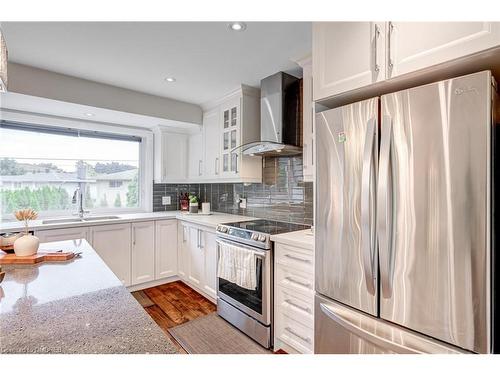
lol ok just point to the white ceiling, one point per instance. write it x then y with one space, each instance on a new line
206 58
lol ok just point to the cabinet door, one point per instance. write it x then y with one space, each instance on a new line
183 250
112 243
166 248
211 142
347 56
210 250
196 258
51 235
230 122
195 156
174 157
143 252
307 122
416 45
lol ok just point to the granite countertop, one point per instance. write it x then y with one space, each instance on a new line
300 238
78 306
206 220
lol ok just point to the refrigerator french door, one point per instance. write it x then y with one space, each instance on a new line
432 222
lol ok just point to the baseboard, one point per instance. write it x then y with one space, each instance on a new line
153 283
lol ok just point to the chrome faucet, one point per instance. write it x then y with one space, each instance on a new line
78 197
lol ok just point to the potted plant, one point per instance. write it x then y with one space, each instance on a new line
193 204
27 244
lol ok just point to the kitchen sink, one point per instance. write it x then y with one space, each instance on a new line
78 220
92 218
62 221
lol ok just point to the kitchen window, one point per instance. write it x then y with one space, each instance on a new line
42 166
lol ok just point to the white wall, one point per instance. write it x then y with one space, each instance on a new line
28 80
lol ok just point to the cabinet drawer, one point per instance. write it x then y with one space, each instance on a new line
296 257
296 281
295 334
295 306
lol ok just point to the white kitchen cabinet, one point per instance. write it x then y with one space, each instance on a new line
416 45
170 156
294 298
195 157
113 244
196 257
211 144
183 250
51 235
143 252
238 118
346 56
165 248
352 55
210 254
307 120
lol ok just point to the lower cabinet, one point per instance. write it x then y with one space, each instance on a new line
51 235
197 258
143 252
293 299
165 248
112 243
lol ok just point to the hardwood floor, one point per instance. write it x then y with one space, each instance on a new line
176 303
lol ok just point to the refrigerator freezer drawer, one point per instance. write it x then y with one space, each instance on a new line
342 330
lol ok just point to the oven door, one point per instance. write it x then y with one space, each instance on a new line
255 303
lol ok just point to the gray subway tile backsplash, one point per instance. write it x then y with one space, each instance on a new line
283 195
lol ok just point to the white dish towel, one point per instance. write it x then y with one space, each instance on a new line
237 266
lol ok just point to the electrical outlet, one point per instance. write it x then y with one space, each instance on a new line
166 201
243 203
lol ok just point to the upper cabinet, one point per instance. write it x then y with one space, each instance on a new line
227 124
352 55
346 55
307 119
211 143
415 45
170 156
195 156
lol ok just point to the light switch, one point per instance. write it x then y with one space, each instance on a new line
166 201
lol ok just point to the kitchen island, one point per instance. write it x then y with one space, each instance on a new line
76 307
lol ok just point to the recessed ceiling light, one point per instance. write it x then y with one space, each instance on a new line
88 114
170 79
237 26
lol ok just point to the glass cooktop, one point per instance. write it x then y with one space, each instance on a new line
268 226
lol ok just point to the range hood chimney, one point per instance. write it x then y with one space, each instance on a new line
280 117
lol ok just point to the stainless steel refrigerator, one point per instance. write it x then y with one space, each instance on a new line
404 238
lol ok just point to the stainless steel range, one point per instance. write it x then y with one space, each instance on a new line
250 310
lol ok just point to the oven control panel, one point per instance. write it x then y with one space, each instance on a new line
254 238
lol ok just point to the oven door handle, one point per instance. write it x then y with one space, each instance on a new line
259 253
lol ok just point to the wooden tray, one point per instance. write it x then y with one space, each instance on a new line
7 249
37 258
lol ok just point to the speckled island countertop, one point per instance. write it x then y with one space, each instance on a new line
76 307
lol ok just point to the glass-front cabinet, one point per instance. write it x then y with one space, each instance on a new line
230 136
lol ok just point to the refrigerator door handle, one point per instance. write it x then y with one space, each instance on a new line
368 243
342 318
385 207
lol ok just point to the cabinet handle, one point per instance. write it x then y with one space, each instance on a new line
312 151
199 167
198 238
304 150
297 258
200 233
236 167
133 236
292 280
183 234
290 302
306 339
375 44
389 46
216 166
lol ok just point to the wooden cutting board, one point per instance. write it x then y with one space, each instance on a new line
39 257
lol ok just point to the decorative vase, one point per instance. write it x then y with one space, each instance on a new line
26 245
193 208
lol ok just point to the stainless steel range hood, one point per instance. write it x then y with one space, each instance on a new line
280 117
